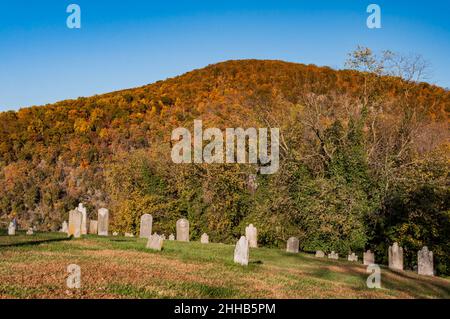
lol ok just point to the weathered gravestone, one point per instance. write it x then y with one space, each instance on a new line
155 242
103 222
129 235
64 227
11 229
30 231
320 254
84 219
115 234
425 262
204 239
183 230
75 218
292 245
395 257
93 227
333 255
352 257
242 251
171 237
251 233
369 258
163 236
145 230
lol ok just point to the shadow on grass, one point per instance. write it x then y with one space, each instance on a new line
36 242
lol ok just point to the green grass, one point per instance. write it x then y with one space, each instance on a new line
118 267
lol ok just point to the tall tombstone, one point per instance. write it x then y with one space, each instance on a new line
425 262
204 239
145 230
369 258
84 219
75 218
251 233
93 227
11 229
183 230
396 257
103 222
155 242
242 251
292 245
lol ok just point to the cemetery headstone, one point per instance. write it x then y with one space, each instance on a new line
251 233
145 230
103 222
75 218
242 251
11 229
425 262
395 257
320 254
204 239
292 245
155 242
183 230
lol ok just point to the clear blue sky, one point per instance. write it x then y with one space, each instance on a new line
125 44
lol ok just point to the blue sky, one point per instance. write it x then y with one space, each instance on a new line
125 44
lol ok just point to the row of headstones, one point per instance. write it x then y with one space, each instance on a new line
79 221
395 254
78 226
12 227
155 241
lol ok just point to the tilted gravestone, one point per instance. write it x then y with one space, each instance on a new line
242 251
320 254
292 245
352 257
171 237
145 230
93 227
84 219
103 222
333 255
155 242
425 262
204 239
369 258
11 229
251 233
75 218
183 230
395 257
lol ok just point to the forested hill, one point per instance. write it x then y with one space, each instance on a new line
364 158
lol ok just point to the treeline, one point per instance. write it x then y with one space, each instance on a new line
364 159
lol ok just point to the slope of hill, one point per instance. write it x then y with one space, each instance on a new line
363 158
188 270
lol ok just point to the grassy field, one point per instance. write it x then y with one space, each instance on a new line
118 267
